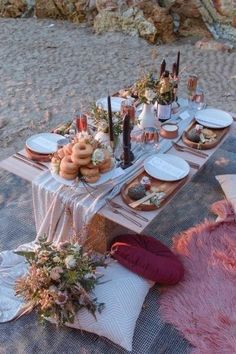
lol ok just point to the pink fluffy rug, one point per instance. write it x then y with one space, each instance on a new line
203 306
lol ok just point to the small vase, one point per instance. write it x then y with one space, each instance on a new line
163 112
147 117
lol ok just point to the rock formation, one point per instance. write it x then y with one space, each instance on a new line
154 20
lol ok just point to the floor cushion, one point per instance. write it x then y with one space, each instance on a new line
147 257
123 294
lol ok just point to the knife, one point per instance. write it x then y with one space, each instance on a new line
39 164
32 164
142 200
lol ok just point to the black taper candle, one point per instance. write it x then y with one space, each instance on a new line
111 134
177 64
174 70
126 142
163 67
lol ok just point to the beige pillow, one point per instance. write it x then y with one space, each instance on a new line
228 184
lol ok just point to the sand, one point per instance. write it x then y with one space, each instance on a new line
49 69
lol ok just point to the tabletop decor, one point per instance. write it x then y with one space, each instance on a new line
157 192
60 281
198 137
127 153
84 158
151 90
101 122
165 89
110 123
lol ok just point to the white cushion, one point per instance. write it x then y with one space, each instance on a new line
228 184
123 294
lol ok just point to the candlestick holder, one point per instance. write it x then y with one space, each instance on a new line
127 158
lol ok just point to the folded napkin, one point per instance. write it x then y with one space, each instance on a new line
36 156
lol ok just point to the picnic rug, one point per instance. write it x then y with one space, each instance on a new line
152 334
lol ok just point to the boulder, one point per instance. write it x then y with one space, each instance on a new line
72 10
12 8
130 21
160 17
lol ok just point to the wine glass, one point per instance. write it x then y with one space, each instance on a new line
151 139
127 107
81 122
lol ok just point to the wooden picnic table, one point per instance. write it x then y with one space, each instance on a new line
27 172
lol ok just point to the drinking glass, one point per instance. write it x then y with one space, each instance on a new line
81 122
127 107
151 138
137 137
192 83
199 99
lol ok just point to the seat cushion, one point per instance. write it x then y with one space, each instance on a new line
147 257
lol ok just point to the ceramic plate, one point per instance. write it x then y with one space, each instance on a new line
44 143
166 167
115 172
115 103
213 118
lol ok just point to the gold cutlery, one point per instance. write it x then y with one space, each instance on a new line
115 211
30 163
142 200
39 164
190 150
118 206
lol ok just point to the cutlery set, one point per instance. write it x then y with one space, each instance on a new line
28 161
122 210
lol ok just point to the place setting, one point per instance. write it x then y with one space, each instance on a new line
163 174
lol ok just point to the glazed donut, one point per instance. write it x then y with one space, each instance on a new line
68 166
68 149
82 150
91 179
91 165
66 175
106 167
89 172
80 161
61 153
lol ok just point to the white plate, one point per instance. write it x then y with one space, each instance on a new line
166 167
43 143
115 172
213 118
115 103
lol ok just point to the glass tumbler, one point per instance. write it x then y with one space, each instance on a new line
81 122
199 99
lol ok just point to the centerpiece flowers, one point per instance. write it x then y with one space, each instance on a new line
60 281
101 122
151 90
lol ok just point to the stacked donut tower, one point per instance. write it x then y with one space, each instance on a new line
85 158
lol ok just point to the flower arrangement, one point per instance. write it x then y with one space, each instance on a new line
145 88
60 281
100 120
151 90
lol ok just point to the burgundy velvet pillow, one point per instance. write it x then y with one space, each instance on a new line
147 257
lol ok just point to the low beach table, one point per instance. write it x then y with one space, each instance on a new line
29 173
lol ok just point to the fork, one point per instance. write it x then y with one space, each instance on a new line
115 211
118 206
190 150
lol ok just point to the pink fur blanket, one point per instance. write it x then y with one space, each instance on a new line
203 305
